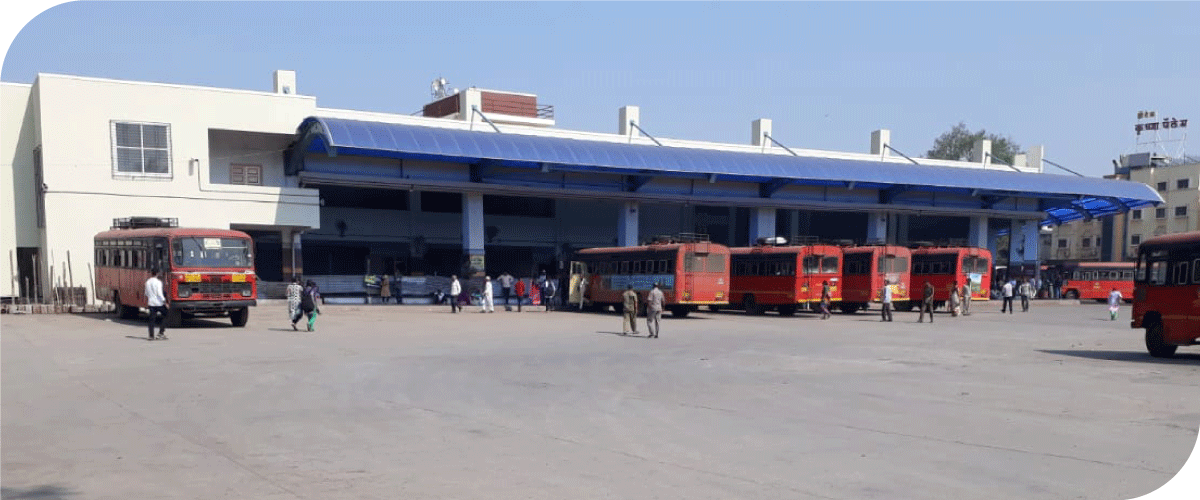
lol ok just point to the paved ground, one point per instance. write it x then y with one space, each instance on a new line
405 402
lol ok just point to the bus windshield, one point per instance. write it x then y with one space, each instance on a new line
199 251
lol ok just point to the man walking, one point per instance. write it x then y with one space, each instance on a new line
548 293
1007 294
582 289
294 290
1026 291
506 282
1114 304
486 302
927 303
308 303
886 295
629 312
157 304
654 307
455 291
966 298
826 298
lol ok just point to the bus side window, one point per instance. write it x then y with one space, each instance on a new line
1181 273
1158 273
716 263
899 265
829 265
1196 271
637 267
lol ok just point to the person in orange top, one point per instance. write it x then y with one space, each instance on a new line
519 287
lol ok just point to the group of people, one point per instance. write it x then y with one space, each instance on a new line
1024 289
510 286
960 302
629 310
303 302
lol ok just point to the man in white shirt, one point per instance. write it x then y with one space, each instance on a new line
506 283
1007 293
486 304
455 290
886 310
157 304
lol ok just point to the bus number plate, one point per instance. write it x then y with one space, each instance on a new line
239 278
192 277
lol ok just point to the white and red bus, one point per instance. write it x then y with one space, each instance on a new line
866 269
949 267
1094 280
784 278
1166 296
205 272
692 273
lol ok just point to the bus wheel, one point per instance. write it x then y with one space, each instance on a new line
1154 341
123 311
750 304
680 312
619 308
714 308
787 310
174 318
848 308
1071 295
239 316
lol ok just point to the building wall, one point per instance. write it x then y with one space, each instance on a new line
18 194
1149 225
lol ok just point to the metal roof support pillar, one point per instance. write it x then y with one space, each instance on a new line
760 130
877 227
628 115
1030 235
902 229
473 233
880 142
977 231
627 224
762 223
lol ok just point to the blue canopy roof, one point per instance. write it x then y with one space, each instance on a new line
1068 197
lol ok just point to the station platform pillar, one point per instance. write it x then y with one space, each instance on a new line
627 224
762 224
473 234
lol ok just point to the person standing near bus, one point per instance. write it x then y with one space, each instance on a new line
157 304
629 311
455 291
927 303
886 297
654 307
308 303
826 298
583 283
548 292
1026 290
385 289
966 298
955 301
519 288
487 301
1007 294
294 291
1114 304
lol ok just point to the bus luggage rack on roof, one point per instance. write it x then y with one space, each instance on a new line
664 239
142 222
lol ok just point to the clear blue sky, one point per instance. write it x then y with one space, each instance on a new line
1068 75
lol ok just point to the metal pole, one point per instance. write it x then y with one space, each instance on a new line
70 279
27 290
37 275
92 280
16 288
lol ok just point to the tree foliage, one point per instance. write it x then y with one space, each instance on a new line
956 144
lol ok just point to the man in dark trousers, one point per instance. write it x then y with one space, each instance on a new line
519 288
629 311
886 298
1007 294
927 303
157 304
506 283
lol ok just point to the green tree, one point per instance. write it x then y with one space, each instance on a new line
956 144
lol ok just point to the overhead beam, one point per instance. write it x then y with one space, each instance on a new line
635 182
989 201
767 189
886 195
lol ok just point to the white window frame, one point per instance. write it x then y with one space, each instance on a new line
118 173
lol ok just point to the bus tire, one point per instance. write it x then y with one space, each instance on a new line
240 316
750 304
788 310
848 308
1071 295
1154 341
174 318
714 308
123 311
619 308
680 312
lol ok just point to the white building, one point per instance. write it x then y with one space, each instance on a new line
79 152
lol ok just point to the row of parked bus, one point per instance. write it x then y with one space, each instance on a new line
776 276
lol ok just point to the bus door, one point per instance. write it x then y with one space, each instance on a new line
810 264
578 271
692 263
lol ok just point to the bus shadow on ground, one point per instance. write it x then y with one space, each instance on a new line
47 492
1182 358
142 320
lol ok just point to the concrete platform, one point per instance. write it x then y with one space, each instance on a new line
414 402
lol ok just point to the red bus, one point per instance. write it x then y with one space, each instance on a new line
1093 280
947 267
1166 296
783 278
692 274
865 270
205 272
